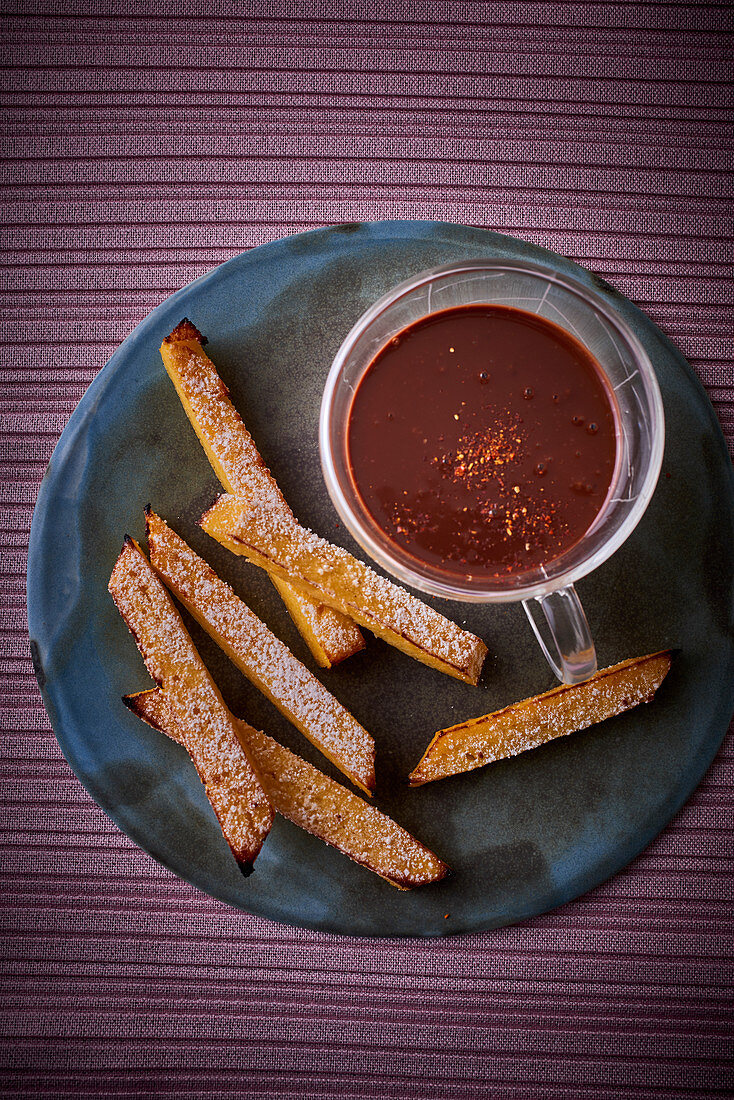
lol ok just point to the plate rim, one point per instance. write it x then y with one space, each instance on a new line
401 230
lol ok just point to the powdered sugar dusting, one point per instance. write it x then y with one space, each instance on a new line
319 805
240 467
349 584
232 445
338 635
210 736
261 656
533 722
326 809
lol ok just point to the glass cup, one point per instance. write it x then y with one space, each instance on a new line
546 591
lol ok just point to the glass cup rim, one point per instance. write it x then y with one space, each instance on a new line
514 590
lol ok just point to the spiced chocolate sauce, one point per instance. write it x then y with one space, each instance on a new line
481 439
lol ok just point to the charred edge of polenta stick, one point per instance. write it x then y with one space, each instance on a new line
185 330
168 653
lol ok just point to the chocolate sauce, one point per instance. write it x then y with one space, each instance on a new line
481 439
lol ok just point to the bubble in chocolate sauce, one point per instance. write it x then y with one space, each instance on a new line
484 377
578 421
528 393
541 469
592 428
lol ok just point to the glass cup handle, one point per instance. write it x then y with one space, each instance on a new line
560 625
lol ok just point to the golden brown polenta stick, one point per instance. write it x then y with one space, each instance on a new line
317 804
525 725
232 784
329 573
230 448
263 658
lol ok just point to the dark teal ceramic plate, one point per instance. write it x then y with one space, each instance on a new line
523 835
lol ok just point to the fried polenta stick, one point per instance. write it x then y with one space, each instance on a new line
525 725
232 783
263 658
230 448
318 804
329 573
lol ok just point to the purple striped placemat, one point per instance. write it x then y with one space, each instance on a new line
144 144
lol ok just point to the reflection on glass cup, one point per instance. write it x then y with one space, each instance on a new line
546 590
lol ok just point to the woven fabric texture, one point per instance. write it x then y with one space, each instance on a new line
144 143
